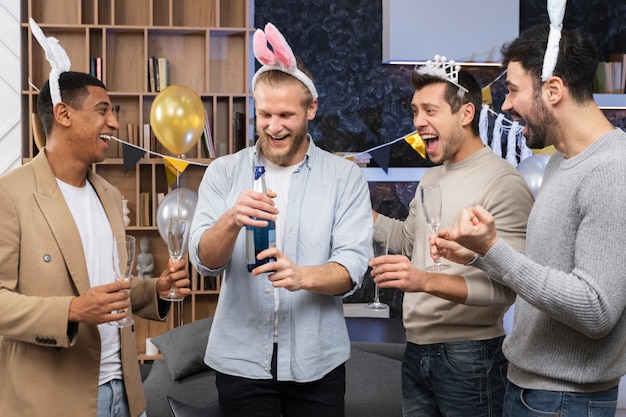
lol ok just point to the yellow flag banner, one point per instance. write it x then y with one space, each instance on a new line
487 98
416 142
173 168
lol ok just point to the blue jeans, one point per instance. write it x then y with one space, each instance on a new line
112 400
454 379
520 402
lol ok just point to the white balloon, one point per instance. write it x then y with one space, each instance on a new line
180 203
531 169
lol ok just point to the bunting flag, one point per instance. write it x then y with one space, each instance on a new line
381 153
381 156
415 140
173 168
131 156
487 99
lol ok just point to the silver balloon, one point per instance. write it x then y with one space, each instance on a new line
181 203
532 169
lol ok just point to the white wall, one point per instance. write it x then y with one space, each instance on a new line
10 108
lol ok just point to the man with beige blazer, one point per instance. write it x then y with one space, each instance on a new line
58 355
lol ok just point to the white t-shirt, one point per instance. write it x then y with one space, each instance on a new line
278 179
97 239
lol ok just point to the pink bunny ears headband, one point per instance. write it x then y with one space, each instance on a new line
280 59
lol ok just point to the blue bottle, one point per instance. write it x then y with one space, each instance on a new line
259 238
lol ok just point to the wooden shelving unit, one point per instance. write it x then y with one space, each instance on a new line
208 46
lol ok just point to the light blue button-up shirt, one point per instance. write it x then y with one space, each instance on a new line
328 220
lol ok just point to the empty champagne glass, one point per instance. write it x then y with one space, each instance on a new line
123 260
380 245
177 231
430 196
176 234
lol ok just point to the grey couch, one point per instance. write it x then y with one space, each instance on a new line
180 385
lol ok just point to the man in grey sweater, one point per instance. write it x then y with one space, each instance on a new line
567 350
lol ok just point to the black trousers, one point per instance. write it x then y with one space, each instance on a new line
240 397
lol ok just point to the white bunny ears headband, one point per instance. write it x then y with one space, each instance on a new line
280 59
56 56
556 11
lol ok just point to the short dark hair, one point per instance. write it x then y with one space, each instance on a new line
467 80
576 64
73 86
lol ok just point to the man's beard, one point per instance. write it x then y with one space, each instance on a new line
282 158
539 125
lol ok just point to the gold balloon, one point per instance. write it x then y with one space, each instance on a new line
177 118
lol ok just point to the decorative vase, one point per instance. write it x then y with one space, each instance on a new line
126 211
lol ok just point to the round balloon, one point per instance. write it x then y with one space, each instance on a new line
177 118
181 203
532 169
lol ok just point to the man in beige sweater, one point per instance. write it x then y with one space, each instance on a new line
453 363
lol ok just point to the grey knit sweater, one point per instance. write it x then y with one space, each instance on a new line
569 330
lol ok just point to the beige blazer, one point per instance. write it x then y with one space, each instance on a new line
49 367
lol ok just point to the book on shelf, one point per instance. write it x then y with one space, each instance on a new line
239 131
599 81
152 75
209 146
132 132
99 68
95 67
158 74
145 143
610 77
619 72
164 73
146 209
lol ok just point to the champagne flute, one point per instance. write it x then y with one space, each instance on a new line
380 244
123 259
177 229
430 195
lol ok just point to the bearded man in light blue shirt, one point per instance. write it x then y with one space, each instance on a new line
279 341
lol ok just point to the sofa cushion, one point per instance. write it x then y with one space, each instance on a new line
373 385
183 348
195 390
180 409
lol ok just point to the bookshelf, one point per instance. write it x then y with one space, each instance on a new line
207 43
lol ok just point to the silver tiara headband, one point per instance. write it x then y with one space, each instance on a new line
56 56
444 69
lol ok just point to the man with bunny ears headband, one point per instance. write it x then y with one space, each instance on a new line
59 354
567 349
278 342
